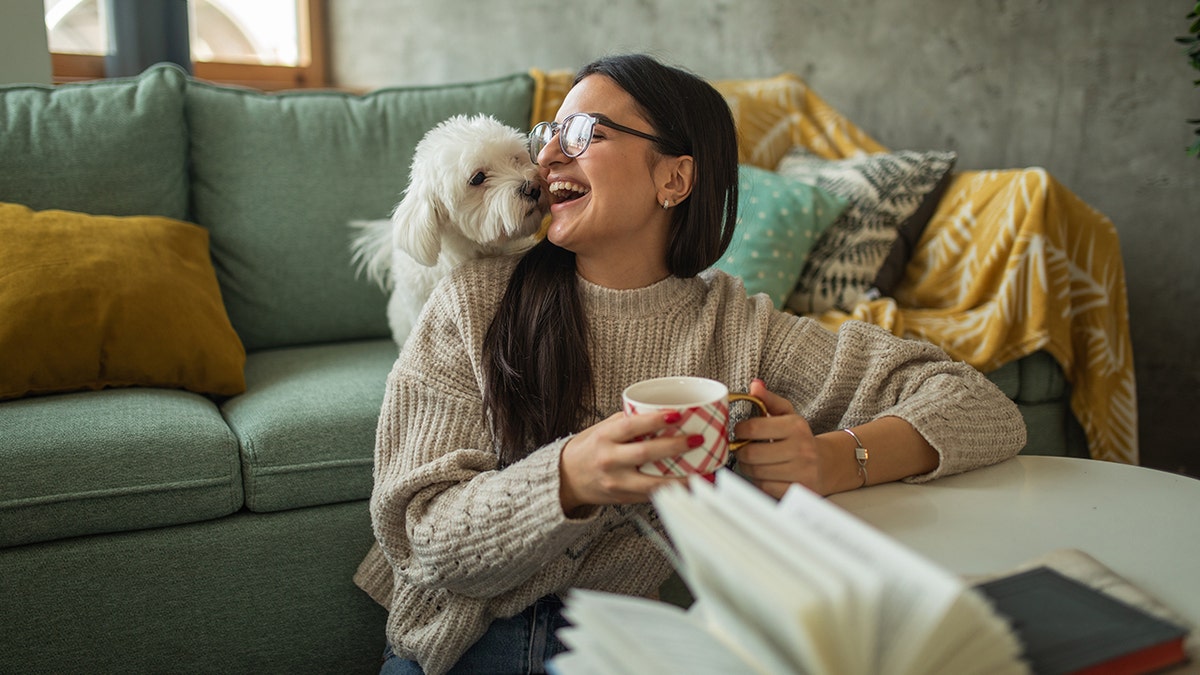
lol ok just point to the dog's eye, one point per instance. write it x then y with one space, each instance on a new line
478 178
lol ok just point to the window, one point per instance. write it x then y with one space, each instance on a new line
266 44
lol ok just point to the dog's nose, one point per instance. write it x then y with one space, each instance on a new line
531 191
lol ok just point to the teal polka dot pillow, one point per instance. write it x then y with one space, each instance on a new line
779 219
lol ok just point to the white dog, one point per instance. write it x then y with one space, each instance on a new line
472 192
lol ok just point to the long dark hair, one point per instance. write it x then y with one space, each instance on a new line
537 370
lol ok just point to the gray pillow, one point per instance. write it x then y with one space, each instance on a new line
888 193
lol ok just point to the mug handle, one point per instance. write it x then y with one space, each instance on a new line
735 444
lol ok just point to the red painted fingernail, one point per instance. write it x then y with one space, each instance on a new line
672 417
695 440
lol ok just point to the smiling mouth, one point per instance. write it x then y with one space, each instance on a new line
563 191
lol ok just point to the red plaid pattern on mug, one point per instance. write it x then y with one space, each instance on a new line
710 421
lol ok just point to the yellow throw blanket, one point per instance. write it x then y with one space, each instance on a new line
1012 262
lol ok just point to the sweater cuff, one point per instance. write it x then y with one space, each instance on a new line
969 433
540 470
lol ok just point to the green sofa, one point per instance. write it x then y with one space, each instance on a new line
157 529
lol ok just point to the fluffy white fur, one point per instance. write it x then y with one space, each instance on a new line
472 192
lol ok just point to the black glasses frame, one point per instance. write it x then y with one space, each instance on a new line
539 130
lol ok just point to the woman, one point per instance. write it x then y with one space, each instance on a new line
505 473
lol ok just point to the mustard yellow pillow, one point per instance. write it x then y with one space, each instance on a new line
88 302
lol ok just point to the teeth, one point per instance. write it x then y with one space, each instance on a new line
564 188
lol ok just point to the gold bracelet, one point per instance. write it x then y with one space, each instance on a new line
861 454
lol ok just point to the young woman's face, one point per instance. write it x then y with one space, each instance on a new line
604 203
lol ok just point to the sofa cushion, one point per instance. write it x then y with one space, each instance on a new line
111 147
113 460
885 191
1053 430
1008 378
1042 379
278 177
1040 389
779 218
1036 378
306 423
249 593
100 301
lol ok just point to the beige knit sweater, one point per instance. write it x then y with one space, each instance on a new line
461 543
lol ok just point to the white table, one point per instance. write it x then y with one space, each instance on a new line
1142 523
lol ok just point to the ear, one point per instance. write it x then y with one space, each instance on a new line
674 177
417 224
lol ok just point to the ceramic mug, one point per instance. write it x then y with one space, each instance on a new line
703 405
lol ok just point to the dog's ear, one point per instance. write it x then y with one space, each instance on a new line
417 224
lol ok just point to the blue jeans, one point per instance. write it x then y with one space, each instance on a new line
521 644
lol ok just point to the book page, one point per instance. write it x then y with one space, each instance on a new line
613 633
921 611
983 643
785 540
781 623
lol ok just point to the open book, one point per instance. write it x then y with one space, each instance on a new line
795 586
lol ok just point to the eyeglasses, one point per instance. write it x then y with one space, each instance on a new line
575 134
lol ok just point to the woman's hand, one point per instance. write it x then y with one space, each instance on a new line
600 464
785 451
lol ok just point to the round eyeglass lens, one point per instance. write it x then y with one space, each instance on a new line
576 134
539 136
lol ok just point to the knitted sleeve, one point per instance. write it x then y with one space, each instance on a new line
862 372
443 514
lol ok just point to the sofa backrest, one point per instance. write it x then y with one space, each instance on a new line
111 147
275 178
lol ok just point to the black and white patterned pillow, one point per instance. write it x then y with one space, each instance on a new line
886 192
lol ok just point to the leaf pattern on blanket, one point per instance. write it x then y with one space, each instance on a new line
1013 262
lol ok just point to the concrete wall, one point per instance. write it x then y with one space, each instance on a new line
24 56
1096 91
